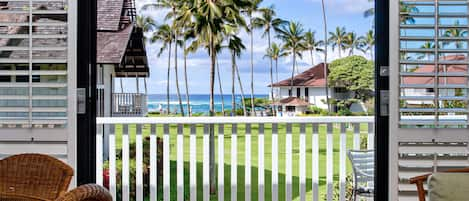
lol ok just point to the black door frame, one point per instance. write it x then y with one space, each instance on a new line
86 79
381 85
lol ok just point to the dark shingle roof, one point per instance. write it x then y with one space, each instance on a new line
111 46
313 77
109 14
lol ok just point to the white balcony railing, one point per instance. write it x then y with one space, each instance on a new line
129 105
291 148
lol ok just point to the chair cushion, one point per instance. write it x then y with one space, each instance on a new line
448 187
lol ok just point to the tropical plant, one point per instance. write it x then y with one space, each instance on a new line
353 42
173 5
405 10
268 22
338 39
456 33
312 45
146 23
184 20
326 44
210 18
370 11
355 74
275 53
235 46
368 43
292 36
164 35
250 10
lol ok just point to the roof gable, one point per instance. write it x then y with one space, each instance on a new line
109 14
313 77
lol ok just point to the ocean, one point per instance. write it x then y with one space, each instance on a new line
199 103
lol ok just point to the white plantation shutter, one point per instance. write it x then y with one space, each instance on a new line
33 64
433 64
429 90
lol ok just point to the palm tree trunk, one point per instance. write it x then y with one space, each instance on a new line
271 74
312 58
212 113
253 110
221 89
168 109
292 74
325 55
276 80
242 91
176 74
186 82
233 87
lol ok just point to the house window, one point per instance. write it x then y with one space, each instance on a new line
290 108
306 92
298 92
433 64
290 93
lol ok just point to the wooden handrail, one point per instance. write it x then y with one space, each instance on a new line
419 181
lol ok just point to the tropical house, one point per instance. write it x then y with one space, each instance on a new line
309 89
120 54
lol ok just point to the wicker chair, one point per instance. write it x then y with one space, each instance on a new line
34 176
37 177
88 192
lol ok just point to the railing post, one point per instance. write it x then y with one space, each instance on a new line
180 162
261 170
302 160
193 163
234 162
329 162
315 161
288 164
153 163
247 167
275 162
125 164
139 163
221 162
166 165
342 158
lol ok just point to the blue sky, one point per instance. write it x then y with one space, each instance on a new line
348 13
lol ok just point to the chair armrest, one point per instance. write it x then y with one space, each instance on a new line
88 192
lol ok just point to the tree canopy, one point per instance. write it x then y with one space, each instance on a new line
354 73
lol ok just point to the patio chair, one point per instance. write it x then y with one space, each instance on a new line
88 192
449 185
37 177
34 176
363 163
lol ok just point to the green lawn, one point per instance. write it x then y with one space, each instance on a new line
254 158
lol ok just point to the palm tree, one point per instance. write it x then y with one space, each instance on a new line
368 43
209 20
173 5
275 53
353 42
338 39
312 45
326 43
293 36
405 10
184 20
371 11
145 23
250 10
268 22
165 36
456 33
236 46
